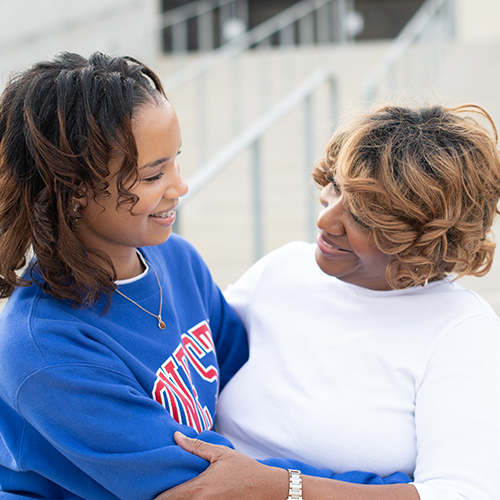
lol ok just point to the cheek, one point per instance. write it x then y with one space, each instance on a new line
378 261
146 204
366 250
149 198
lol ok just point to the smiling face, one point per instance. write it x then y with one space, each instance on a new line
346 248
117 231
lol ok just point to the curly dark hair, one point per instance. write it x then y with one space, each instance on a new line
61 122
426 182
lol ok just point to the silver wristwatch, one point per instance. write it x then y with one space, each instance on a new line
295 488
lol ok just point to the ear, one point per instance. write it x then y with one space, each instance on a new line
79 202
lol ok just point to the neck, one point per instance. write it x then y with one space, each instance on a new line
129 267
126 266
125 260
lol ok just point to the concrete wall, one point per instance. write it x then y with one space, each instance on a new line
31 30
477 20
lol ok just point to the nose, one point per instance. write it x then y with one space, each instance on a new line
176 186
332 216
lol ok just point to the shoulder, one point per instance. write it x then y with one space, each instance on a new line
273 270
295 253
29 316
451 323
181 265
176 248
177 245
176 256
461 303
296 258
294 249
475 317
177 241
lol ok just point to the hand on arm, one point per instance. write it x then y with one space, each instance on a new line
230 475
234 475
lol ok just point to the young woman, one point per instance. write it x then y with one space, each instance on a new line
116 336
377 355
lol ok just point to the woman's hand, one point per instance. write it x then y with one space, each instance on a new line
231 475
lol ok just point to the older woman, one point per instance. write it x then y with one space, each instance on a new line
365 352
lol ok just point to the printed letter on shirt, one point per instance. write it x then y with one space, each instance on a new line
174 388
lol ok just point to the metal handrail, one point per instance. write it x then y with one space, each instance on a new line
255 36
176 19
250 138
190 10
399 47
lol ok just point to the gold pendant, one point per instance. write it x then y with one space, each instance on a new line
161 324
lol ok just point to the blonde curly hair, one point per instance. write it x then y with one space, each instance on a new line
426 182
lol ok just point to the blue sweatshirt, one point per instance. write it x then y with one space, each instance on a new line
89 402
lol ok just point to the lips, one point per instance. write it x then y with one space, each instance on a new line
164 215
164 218
329 247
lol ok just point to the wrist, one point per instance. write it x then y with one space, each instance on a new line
295 485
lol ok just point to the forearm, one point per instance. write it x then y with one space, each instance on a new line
353 476
317 488
234 475
274 485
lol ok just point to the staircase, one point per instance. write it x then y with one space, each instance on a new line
218 221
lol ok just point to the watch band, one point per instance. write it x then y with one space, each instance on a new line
295 488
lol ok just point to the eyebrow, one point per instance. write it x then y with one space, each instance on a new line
331 179
154 163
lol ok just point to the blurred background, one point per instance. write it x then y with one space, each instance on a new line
259 87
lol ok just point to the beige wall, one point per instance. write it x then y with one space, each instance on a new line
478 20
31 30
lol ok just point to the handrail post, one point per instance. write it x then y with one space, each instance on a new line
306 30
257 201
333 100
180 37
311 218
236 93
201 123
322 24
342 12
205 27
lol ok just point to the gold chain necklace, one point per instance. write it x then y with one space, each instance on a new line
161 324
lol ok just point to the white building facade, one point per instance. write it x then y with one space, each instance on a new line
32 30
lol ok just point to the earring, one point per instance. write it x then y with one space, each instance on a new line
77 215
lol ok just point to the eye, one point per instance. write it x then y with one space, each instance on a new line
358 221
155 177
331 179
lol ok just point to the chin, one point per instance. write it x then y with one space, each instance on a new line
164 239
326 267
157 239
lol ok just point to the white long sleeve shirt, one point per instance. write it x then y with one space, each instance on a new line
347 378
